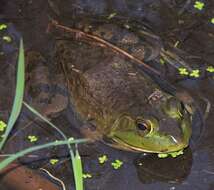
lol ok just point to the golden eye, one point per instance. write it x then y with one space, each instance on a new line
143 125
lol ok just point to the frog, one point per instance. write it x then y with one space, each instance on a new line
120 104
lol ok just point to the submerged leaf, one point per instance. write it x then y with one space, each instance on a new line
17 103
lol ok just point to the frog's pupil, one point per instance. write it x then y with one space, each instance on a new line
141 126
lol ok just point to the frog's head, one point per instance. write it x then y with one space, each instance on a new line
164 127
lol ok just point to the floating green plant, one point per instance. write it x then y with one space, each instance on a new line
16 108
32 138
3 26
195 73
199 5
172 154
183 71
7 39
86 175
54 161
3 125
210 69
117 164
102 159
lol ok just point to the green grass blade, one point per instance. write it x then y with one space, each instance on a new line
76 160
78 173
17 103
45 119
12 158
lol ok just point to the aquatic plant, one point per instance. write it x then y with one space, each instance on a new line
199 5
117 164
102 159
16 108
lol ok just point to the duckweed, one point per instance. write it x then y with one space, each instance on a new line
87 175
3 26
172 154
195 73
7 39
199 5
53 161
102 159
117 164
3 125
210 69
32 138
183 71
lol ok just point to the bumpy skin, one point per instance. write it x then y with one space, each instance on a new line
44 91
124 104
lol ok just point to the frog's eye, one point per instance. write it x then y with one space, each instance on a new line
143 126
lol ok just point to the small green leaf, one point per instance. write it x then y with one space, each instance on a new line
199 5
7 39
172 154
163 155
32 138
3 125
117 164
102 159
86 175
53 161
210 69
195 73
3 26
175 154
183 71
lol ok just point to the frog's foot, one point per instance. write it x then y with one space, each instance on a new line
43 91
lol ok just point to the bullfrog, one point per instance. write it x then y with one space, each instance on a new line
119 103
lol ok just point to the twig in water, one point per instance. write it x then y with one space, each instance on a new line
54 178
101 42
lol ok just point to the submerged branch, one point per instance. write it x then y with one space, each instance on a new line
101 42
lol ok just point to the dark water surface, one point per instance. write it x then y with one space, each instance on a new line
171 20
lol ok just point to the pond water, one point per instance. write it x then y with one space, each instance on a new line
173 21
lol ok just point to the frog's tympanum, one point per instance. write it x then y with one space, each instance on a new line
126 108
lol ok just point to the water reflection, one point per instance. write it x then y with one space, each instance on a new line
151 169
